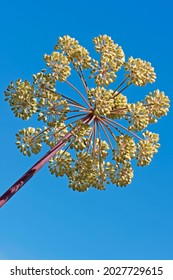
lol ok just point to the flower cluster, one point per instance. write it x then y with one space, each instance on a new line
21 99
54 134
89 169
29 140
138 116
59 64
102 100
126 149
60 163
52 108
157 104
93 140
120 174
124 175
119 109
147 148
82 176
75 53
112 58
80 140
42 81
111 53
140 71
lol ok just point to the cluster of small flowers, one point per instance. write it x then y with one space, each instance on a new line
126 149
119 109
141 114
111 53
75 53
66 44
138 116
102 100
141 72
82 174
112 58
53 134
124 175
158 105
52 108
42 81
29 140
103 75
101 149
60 164
147 148
59 64
21 98
120 174
89 169
79 132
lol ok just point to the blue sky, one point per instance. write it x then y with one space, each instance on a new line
46 219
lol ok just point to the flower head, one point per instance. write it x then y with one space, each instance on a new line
140 71
111 60
21 98
89 139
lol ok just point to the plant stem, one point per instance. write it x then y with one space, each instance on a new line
107 136
90 140
108 122
81 95
82 77
108 128
78 110
68 98
98 129
38 165
94 138
121 90
111 122
118 110
121 84
77 106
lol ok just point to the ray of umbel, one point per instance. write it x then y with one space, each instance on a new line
93 126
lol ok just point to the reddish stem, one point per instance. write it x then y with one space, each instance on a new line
38 165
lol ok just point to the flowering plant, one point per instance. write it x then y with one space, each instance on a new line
95 127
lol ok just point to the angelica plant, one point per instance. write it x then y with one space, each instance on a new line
93 127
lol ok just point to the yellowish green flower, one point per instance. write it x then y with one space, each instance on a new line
95 136
157 104
147 148
20 96
111 60
138 116
59 64
140 71
29 140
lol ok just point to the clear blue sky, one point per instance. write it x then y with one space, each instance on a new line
46 219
